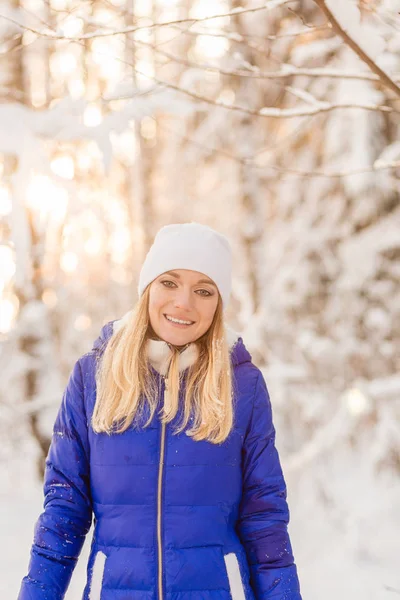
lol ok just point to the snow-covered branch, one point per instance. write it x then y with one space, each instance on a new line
317 106
235 36
355 46
286 71
59 35
320 107
379 165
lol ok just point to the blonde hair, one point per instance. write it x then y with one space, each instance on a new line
125 382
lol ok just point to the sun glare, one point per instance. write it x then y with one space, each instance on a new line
208 8
82 322
356 401
59 4
63 166
72 26
8 312
211 47
76 87
45 198
145 71
119 245
7 263
106 53
92 116
69 262
49 297
62 63
93 245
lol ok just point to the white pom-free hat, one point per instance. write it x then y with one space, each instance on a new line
190 246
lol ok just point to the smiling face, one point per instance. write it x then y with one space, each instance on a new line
182 295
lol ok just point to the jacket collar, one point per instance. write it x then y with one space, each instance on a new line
159 351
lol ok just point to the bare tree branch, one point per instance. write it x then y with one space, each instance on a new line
241 37
384 77
269 5
336 174
268 111
286 71
318 107
249 40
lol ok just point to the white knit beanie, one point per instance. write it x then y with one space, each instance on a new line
189 246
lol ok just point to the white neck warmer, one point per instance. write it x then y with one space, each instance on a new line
158 351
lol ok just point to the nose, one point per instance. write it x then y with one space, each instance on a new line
183 299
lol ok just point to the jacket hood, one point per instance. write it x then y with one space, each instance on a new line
239 352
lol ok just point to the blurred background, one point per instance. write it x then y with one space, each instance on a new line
276 123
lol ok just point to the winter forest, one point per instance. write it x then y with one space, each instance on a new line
275 122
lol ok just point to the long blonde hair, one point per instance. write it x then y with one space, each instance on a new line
125 381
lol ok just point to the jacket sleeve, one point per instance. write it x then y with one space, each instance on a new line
61 528
263 511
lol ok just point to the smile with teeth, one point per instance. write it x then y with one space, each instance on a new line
178 321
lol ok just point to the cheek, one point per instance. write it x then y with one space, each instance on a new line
207 311
155 302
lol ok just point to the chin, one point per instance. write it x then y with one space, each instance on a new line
178 338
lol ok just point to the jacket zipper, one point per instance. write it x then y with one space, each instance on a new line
159 492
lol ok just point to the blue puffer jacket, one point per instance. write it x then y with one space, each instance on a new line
174 519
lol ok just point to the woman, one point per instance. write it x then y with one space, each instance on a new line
165 433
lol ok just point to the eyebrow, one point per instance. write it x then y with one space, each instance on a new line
174 274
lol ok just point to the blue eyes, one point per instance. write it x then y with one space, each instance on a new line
207 293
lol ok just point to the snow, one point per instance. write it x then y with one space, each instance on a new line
316 259
366 36
362 253
389 154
